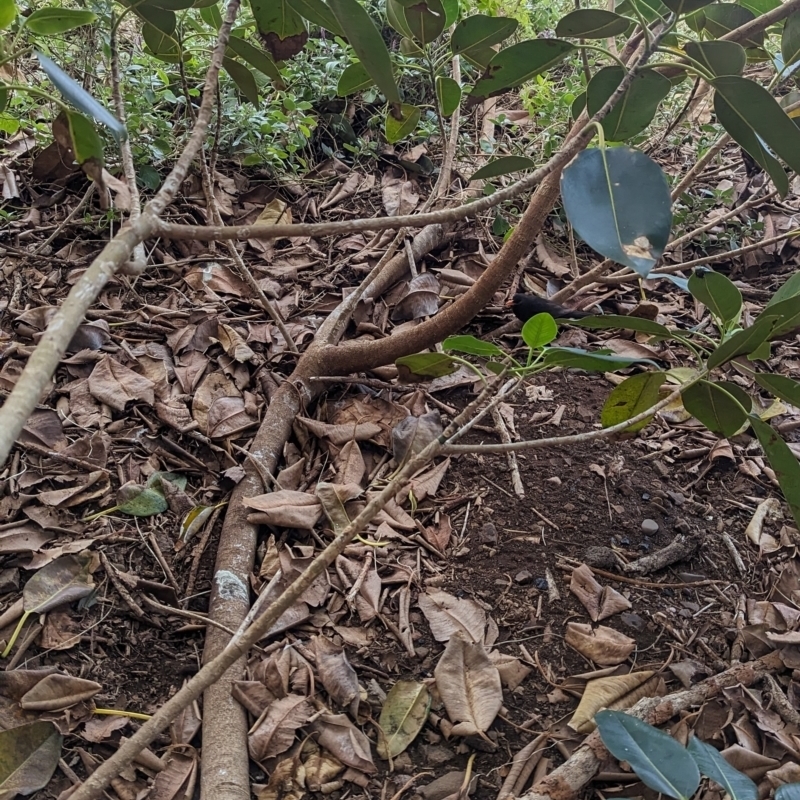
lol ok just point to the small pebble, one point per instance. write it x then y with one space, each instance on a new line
649 526
488 534
541 584
523 576
677 498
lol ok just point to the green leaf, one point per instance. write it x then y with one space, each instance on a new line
424 366
759 7
619 203
722 18
515 65
448 93
685 6
243 78
354 78
255 57
788 289
401 121
633 396
49 21
74 93
714 766
29 756
405 711
595 362
162 19
426 19
717 293
789 791
368 44
788 313
503 166
539 330
211 16
790 40
743 342
408 47
722 407
720 58
783 461
396 17
451 12
592 23
8 13
472 346
86 144
318 13
160 44
637 107
747 110
660 762
474 37
618 321
649 9
283 31
787 389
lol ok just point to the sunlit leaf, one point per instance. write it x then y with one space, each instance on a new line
448 93
472 346
49 21
425 366
401 121
633 396
8 13
404 712
539 330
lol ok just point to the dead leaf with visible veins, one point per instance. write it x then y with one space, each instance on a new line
116 386
469 685
339 736
178 778
286 509
616 692
448 615
512 670
57 692
599 601
421 298
413 434
274 733
335 671
602 645
349 464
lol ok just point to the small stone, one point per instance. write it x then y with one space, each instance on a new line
649 526
523 576
677 498
646 496
488 534
541 584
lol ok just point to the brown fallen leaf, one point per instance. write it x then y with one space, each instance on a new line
274 733
616 692
335 671
287 509
448 615
599 601
339 736
602 645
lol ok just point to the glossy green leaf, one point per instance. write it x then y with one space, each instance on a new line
790 39
633 396
408 47
318 13
451 12
354 78
255 57
401 121
637 107
425 366
471 345
160 44
578 106
717 293
74 93
737 785
539 330
504 165
243 78
788 289
721 407
8 13
789 791
426 19
722 18
747 111
620 322
515 65
474 37
783 461
49 21
761 353
211 16
685 6
720 58
448 94
86 144
596 361
396 17
404 713
368 44
29 756
659 761
592 23
788 313
743 342
619 203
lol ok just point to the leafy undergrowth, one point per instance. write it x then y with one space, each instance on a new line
476 617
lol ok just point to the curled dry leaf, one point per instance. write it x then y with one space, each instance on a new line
178 779
321 769
115 385
448 615
469 685
404 712
617 692
287 781
349 464
602 645
512 670
57 692
413 434
275 732
599 601
421 299
339 736
333 496
287 509
335 671
755 528
342 433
